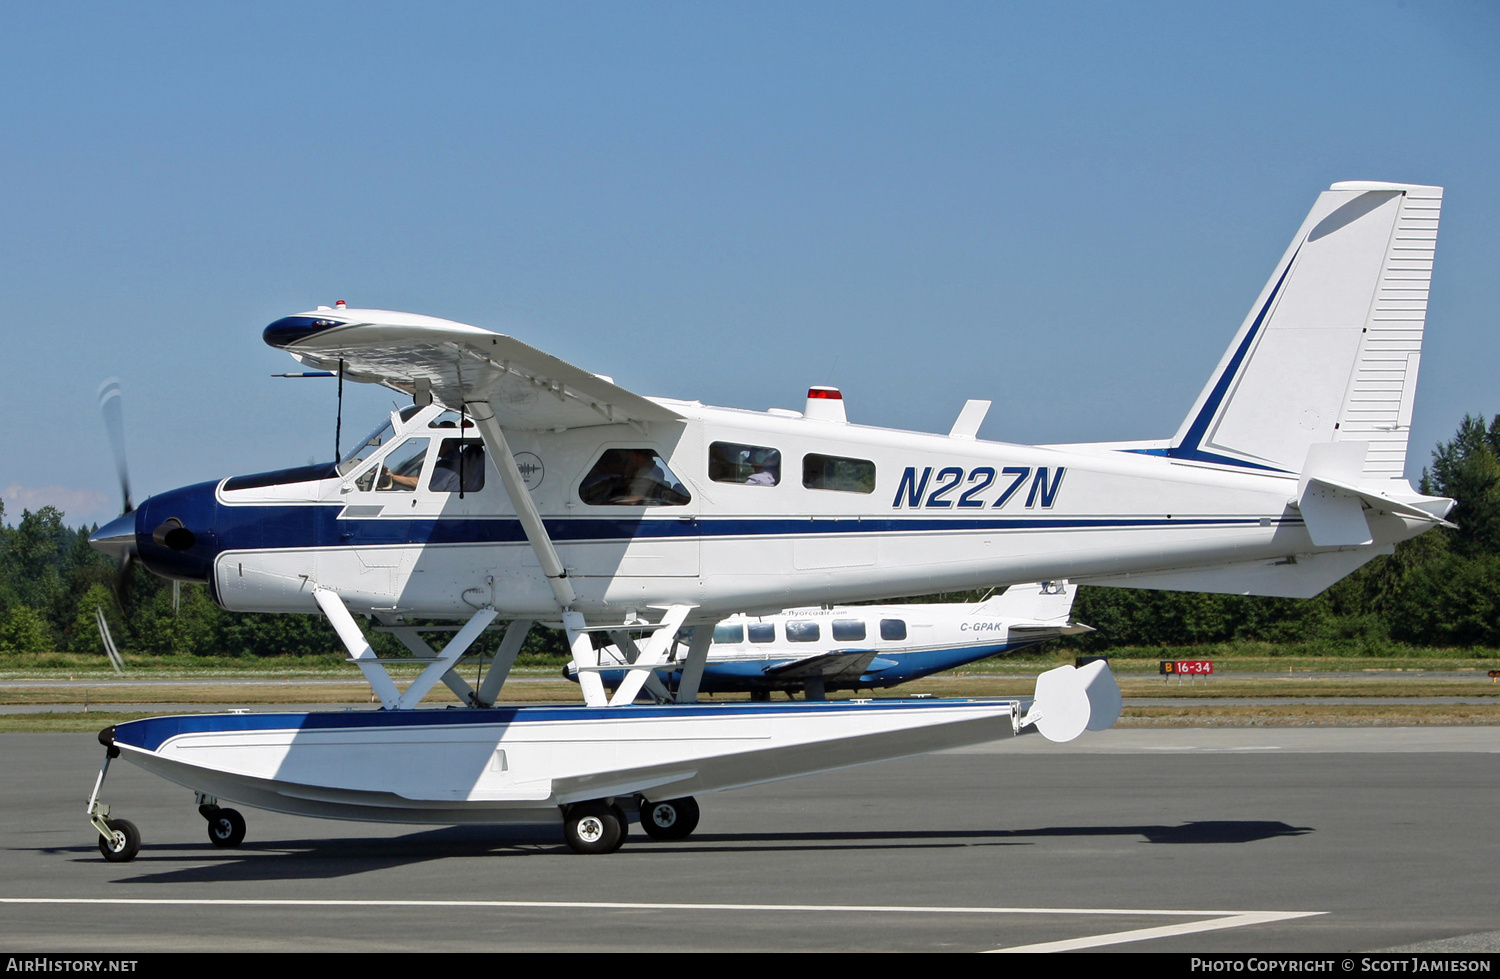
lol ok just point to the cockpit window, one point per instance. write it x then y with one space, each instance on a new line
460 463
399 471
378 438
632 477
373 442
753 465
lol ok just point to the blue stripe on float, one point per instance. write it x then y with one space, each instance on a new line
151 733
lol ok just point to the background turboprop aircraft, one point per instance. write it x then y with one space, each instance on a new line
818 650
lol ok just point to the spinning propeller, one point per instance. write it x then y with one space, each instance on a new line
117 538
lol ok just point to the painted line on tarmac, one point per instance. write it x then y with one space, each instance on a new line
1215 920
1238 920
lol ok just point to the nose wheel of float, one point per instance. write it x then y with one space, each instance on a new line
123 841
226 827
119 840
669 819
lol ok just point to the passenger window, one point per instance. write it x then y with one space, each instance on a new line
752 465
893 630
848 630
835 473
460 463
398 471
632 477
802 632
727 634
761 631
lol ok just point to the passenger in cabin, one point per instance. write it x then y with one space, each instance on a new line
631 477
460 465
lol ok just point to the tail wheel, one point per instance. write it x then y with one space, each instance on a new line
123 843
670 819
594 827
226 828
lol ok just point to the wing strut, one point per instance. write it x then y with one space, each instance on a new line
692 669
359 648
505 658
520 498
653 655
444 661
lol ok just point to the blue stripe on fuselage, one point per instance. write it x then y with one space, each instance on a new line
280 526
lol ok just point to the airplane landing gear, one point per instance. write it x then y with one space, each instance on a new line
669 819
119 840
122 843
594 827
226 827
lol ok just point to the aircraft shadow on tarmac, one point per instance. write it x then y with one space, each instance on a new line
311 859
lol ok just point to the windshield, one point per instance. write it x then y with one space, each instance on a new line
365 449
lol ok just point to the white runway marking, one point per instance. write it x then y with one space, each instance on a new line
1215 919
1238 920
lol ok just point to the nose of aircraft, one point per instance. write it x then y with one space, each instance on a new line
116 538
172 534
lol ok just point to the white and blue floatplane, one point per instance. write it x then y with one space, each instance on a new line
517 488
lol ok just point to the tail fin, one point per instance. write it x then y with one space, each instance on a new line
1042 603
1330 349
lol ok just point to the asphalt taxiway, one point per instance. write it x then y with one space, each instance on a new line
1258 839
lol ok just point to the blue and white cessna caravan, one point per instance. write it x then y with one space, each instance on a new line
518 487
859 647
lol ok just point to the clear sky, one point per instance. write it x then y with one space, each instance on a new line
1066 208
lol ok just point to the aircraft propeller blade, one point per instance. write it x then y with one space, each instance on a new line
114 424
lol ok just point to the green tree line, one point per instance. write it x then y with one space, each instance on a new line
1441 589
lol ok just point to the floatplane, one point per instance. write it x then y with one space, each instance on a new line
517 488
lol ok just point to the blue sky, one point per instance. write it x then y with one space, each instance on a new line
1065 208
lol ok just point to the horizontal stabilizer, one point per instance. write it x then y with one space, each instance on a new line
1334 518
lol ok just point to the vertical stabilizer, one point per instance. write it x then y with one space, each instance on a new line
1039 603
1329 351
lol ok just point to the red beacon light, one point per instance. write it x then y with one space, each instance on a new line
825 404
340 305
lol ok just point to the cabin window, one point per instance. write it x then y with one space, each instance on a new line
761 631
752 465
802 632
893 630
727 634
450 419
836 473
399 470
460 462
632 477
848 630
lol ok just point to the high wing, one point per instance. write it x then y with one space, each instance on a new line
455 364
